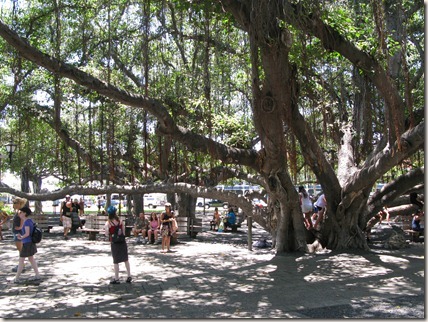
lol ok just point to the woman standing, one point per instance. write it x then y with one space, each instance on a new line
65 215
119 250
17 224
28 247
307 207
166 220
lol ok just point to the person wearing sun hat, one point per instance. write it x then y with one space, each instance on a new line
17 223
119 251
28 249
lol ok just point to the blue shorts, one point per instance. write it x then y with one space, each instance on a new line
15 237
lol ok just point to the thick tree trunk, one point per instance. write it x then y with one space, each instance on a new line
138 204
186 205
37 187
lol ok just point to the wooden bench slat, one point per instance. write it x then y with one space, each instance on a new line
46 221
95 225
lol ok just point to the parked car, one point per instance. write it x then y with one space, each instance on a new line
154 200
259 203
216 203
201 201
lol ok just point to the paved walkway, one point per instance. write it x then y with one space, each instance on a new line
213 276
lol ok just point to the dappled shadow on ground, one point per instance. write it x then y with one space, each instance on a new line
212 276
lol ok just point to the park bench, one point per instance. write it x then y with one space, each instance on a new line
46 221
95 225
187 227
405 221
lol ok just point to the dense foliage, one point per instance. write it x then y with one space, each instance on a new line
205 92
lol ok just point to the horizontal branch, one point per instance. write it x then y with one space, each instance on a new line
166 124
196 191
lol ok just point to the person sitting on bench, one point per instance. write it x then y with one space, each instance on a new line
154 227
215 222
416 222
230 219
140 226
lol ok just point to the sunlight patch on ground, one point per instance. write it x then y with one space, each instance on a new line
395 285
420 273
400 262
344 266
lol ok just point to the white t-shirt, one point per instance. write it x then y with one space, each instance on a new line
306 204
321 202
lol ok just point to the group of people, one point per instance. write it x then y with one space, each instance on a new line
22 228
119 250
165 225
148 228
313 213
68 208
221 224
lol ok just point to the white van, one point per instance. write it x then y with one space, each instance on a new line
153 200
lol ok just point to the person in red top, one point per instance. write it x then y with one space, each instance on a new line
119 251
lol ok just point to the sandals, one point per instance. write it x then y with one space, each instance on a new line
35 278
114 281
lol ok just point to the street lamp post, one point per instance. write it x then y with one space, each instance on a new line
1 161
10 148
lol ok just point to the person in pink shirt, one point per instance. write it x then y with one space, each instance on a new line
154 226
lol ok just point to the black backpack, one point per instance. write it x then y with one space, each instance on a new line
37 234
117 236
